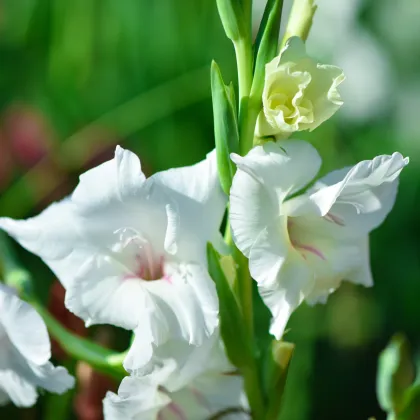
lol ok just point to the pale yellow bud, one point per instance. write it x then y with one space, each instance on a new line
299 94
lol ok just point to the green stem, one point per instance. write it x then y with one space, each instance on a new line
247 9
245 291
243 53
248 122
253 391
252 383
244 282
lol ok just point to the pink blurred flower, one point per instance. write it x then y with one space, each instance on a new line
6 163
28 134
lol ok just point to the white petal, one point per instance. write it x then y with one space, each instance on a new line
282 274
186 304
220 391
137 399
24 327
265 177
206 396
183 305
53 236
185 382
25 351
367 189
331 257
17 389
190 360
324 94
362 274
101 294
172 231
115 180
197 197
139 360
52 378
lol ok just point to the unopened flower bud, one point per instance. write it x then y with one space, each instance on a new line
299 94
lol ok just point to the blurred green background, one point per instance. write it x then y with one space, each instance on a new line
78 77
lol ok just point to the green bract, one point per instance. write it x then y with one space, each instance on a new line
225 126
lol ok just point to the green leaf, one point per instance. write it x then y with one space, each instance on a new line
395 375
277 367
234 334
232 98
231 15
231 323
262 27
267 43
225 126
412 403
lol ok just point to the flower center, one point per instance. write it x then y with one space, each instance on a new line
149 266
139 256
300 245
281 102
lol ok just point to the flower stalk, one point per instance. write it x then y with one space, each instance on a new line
243 52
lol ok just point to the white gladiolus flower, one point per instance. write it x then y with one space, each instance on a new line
186 383
25 351
302 247
299 94
131 251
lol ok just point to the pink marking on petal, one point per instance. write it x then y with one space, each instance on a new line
177 411
130 276
311 249
201 399
334 219
167 278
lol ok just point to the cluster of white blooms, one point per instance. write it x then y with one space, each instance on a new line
131 252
